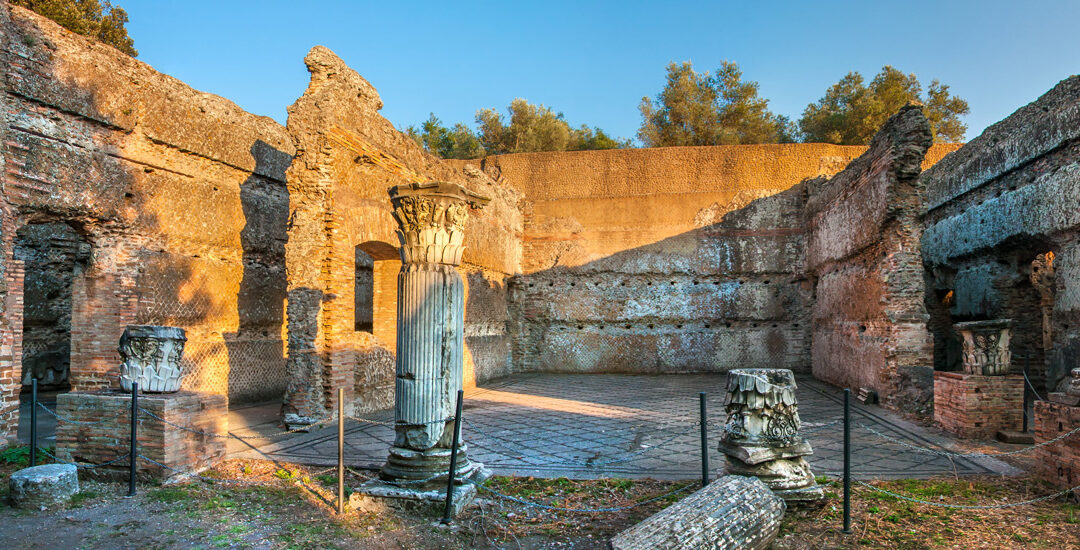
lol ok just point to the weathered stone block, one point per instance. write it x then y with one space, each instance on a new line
731 512
43 485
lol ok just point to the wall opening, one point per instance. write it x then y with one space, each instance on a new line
53 255
375 292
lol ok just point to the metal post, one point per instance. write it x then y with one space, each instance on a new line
341 450
704 442
33 422
847 461
134 437
446 519
1027 395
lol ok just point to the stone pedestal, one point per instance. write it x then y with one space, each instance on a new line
731 512
761 437
986 346
977 407
108 433
430 342
1057 463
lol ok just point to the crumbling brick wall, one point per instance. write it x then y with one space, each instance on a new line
995 207
171 189
348 155
863 229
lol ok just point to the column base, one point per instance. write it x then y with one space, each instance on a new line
376 496
411 466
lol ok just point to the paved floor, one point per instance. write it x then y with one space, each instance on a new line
597 425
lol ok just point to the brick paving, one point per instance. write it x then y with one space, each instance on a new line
601 425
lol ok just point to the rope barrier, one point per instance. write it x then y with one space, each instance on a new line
972 454
967 506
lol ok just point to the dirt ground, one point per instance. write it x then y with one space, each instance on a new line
288 506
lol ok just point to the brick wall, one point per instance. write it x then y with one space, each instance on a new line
106 434
1057 463
977 407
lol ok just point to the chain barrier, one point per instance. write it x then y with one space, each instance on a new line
307 428
86 466
587 462
952 454
967 506
1032 386
524 502
392 424
58 416
366 477
253 481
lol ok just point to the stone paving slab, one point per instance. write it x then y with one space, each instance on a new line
603 425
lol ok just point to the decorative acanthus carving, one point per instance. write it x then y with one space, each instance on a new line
431 221
986 346
761 438
151 356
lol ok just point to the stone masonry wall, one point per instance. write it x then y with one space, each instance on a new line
179 194
863 229
665 260
347 157
996 208
679 259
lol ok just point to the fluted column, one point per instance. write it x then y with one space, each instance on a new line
431 324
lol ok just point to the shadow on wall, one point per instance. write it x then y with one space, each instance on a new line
257 349
727 295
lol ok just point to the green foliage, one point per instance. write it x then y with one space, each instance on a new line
533 128
94 18
530 128
19 456
458 142
851 112
710 109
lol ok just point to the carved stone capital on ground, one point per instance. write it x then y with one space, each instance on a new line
761 438
431 220
986 346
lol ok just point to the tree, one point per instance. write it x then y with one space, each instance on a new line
93 18
531 128
709 109
851 112
537 128
458 142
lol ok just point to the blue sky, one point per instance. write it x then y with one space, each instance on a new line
593 61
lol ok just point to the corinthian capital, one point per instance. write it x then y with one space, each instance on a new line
431 220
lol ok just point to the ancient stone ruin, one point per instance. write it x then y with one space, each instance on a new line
761 438
131 199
